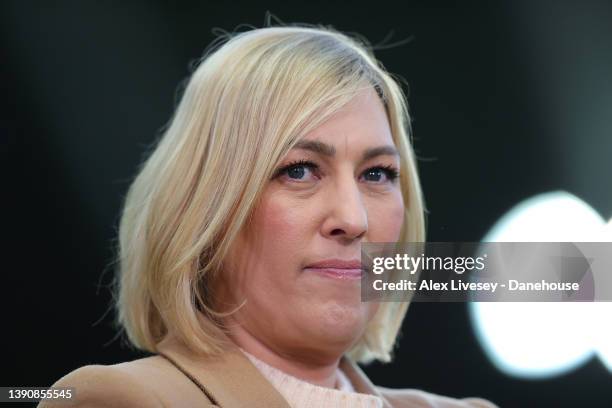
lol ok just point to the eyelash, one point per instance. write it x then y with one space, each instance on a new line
389 170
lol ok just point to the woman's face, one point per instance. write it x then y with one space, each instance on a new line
334 191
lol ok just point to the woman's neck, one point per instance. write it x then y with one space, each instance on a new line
304 367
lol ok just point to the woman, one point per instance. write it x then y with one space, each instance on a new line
240 238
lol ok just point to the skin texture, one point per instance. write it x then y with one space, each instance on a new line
295 319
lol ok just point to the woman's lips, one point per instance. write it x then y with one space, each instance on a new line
337 273
337 268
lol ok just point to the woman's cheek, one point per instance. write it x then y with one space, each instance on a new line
385 219
283 221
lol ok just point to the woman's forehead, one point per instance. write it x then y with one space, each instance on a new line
362 121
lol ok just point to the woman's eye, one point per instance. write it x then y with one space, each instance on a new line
297 172
380 174
301 171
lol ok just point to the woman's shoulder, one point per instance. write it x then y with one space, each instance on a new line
106 386
412 397
146 382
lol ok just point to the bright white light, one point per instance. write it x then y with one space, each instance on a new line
536 340
603 338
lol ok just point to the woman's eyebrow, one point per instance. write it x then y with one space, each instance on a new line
316 147
329 150
379 151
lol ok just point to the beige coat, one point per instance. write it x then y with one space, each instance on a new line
230 381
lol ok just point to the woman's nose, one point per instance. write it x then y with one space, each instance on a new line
347 216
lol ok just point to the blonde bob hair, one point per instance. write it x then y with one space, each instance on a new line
244 107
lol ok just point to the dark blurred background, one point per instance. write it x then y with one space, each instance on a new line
509 99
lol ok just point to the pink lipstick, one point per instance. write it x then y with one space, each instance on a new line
337 268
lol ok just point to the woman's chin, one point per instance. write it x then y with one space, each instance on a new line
339 324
